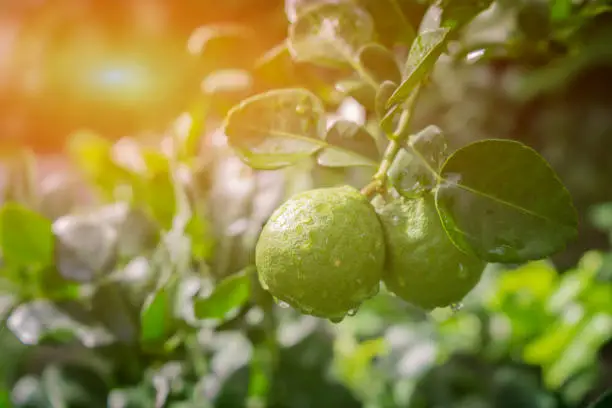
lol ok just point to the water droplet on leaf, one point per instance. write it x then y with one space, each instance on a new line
336 320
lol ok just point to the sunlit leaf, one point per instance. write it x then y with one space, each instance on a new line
503 202
330 34
85 247
423 55
26 237
350 145
227 81
222 46
379 63
581 352
277 128
21 182
390 21
33 322
386 118
229 294
358 89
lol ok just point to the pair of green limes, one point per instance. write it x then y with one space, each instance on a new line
325 251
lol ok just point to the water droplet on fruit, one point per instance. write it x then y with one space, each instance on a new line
282 304
463 273
336 320
456 307
395 220
353 312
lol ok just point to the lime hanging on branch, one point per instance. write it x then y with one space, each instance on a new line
322 252
423 266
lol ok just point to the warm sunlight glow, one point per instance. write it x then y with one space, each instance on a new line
128 81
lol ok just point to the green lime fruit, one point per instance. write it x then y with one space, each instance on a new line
322 252
423 266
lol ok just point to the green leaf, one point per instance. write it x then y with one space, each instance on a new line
390 22
379 63
500 200
157 318
560 10
227 81
222 46
94 157
230 294
5 398
423 55
457 13
351 145
415 168
431 146
277 128
387 118
358 89
26 237
330 34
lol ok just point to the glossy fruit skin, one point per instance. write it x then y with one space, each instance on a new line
423 266
322 252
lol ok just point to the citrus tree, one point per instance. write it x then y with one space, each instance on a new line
298 239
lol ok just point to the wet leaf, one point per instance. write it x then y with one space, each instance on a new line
277 128
431 146
26 237
351 145
330 34
229 294
423 55
415 168
503 202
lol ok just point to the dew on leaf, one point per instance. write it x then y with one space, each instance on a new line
282 304
336 320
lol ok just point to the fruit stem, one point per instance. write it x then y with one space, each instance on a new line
371 189
396 140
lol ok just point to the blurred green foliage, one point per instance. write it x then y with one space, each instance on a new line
130 282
